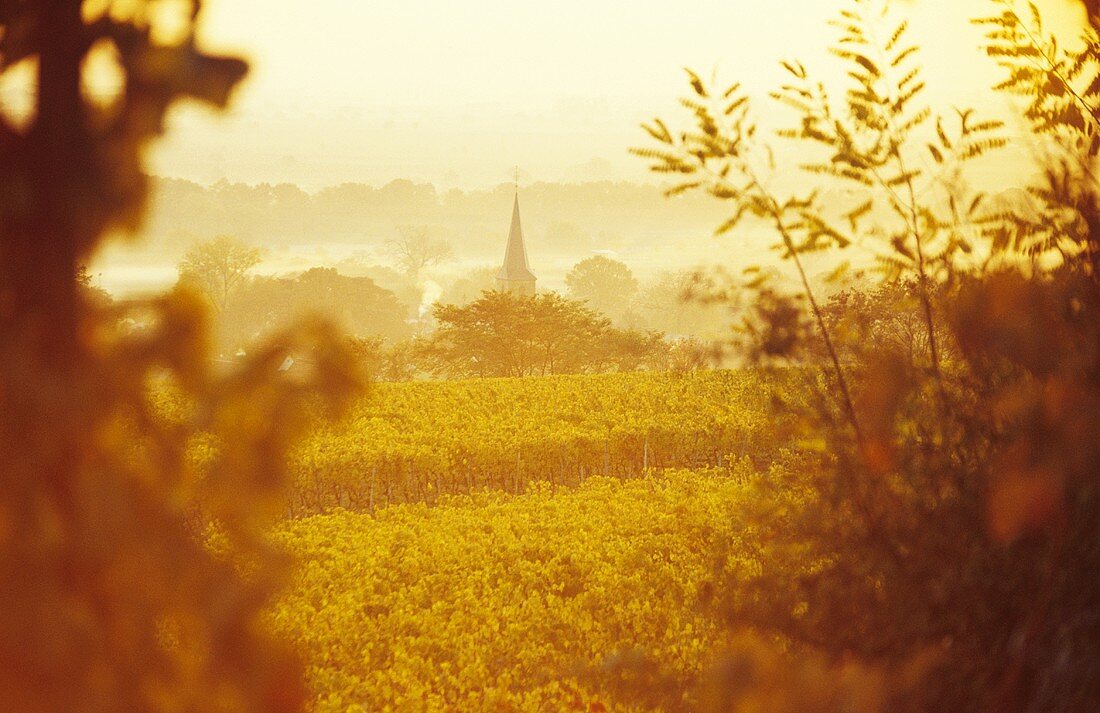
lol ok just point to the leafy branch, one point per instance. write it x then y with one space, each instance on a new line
720 156
1061 90
1062 86
868 140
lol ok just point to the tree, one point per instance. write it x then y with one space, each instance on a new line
502 334
92 292
606 285
883 317
408 293
633 349
217 267
265 305
466 289
670 303
414 250
405 360
370 353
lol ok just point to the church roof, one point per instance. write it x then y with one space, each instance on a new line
515 267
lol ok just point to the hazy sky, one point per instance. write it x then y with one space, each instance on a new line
457 92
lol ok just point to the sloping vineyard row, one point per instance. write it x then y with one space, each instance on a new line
414 442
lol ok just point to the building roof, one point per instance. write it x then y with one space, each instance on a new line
515 267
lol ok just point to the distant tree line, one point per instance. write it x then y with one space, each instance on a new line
606 323
578 217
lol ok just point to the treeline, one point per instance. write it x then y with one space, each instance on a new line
505 335
562 217
606 323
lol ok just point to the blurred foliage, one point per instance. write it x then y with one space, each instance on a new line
110 601
940 532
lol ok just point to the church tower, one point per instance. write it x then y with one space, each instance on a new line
515 274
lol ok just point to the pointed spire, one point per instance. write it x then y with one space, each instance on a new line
516 267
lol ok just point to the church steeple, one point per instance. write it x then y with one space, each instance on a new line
515 274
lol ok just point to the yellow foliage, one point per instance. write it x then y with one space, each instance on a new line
418 441
497 602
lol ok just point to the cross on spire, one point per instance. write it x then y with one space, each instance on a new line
515 176
515 274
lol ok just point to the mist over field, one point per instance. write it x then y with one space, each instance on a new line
347 226
320 162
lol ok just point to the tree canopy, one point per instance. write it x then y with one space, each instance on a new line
414 249
606 285
217 267
502 334
266 305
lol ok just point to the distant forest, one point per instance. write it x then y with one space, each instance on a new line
572 218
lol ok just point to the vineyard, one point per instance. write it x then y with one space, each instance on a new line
503 602
417 442
519 544
509 544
